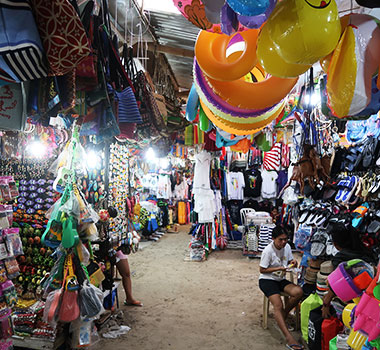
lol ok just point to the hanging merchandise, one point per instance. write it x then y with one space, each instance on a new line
311 33
25 62
68 28
351 68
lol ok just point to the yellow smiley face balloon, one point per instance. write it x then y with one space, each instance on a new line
304 31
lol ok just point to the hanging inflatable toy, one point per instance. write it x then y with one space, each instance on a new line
210 51
194 12
192 104
303 31
214 101
249 7
241 128
258 95
229 20
212 10
353 63
272 62
204 122
211 54
369 3
253 22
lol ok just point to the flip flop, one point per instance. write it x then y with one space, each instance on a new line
136 303
295 346
359 214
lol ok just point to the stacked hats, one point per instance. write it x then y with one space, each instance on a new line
312 271
322 286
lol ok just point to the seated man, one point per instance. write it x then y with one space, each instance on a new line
275 260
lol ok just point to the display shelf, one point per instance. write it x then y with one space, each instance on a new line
37 343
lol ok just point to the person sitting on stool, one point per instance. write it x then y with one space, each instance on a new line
275 260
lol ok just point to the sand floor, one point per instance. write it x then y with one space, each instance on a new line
211 305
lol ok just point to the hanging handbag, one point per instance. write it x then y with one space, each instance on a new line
22 56
13 102
69 310
62 33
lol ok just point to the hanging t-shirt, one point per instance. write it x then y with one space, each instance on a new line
181 190
269 185
282 180
202 171
234 207
164 188
235 185
253 181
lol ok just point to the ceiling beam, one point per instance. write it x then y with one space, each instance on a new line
170 50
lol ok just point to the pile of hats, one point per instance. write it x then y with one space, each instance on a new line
322 285
312 270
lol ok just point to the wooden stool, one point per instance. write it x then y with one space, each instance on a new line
286 297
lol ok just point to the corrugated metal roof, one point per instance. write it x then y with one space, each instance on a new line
176 31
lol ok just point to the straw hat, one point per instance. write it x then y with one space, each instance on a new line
326 268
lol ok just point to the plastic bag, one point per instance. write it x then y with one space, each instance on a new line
289 197
71 207
52 305
81 333
90 300
69 310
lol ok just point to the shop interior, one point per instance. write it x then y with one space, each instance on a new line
204 130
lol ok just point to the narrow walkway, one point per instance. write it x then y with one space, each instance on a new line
205 306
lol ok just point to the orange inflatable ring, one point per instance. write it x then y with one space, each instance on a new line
254 120
247 95
239 128
210 51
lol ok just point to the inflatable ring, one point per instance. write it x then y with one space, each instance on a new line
237 128
272 62
259 95
192 104
208 95
210 51
247 119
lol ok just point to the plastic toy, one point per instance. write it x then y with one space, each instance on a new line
212 10
249 7
355 339
341 280
257 21
210 51
192 104
353 63
239 128
272 62
304 31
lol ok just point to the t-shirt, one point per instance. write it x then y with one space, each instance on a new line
269 185
235 186
234 207
202 171
272 257
253 181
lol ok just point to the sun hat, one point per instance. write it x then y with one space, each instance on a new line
310 276
326 268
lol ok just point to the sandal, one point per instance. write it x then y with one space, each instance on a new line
359 214
295 346
135 303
